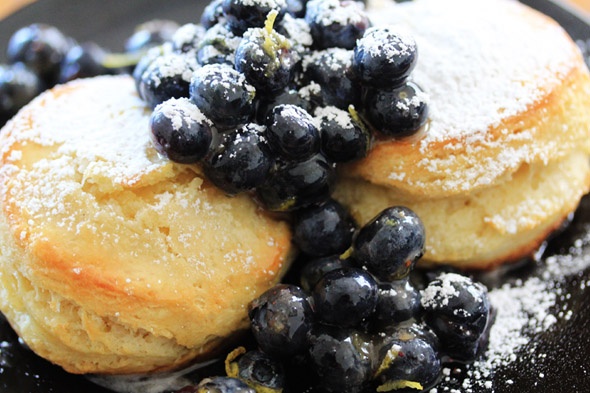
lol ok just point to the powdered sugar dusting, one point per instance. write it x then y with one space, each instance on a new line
477 73
460 68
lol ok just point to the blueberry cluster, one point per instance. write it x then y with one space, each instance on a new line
279 93
356 321
41 56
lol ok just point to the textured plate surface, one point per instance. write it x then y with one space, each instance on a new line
552 353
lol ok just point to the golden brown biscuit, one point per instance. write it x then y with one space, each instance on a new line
504 156
114 259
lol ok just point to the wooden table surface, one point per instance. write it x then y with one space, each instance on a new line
8 6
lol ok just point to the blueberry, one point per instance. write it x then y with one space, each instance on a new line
296 7
220 385
223 94
82 61
244 14
149 34
281 319
297 31
340 357
458 310
391 243
266 58
286 97
18 86
397 112
217 46
42 48
261 371
167 76
408 357
384 57
344 138
241 161
336 23
187 37
144 62
332 70
345 297
295 185
397 301
292 133
315 269
323 229
212 14
180 131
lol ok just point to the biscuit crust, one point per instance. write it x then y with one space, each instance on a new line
114 259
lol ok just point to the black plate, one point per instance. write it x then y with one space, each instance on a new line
553 353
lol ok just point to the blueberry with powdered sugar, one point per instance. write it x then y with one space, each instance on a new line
396 112
332 70
336 23
180 131
344 138
217 46
266 58
223 94
241 161
384 57
244 14
187 37
212 14
292 133
167 76
458 310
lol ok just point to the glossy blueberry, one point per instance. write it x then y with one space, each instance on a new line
344 138
212 14
82 61
295 185
218 46
40 47
345 297
281 319
332 70
397 301
244 14
180 131
187 37
315 269
18 86
397 112
458 310
292 133
286 97
241 161
266 58
408 354
340 357
149 34
262 371
336 23
384 57
223 94
219 385
391 243
323 229
167 76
